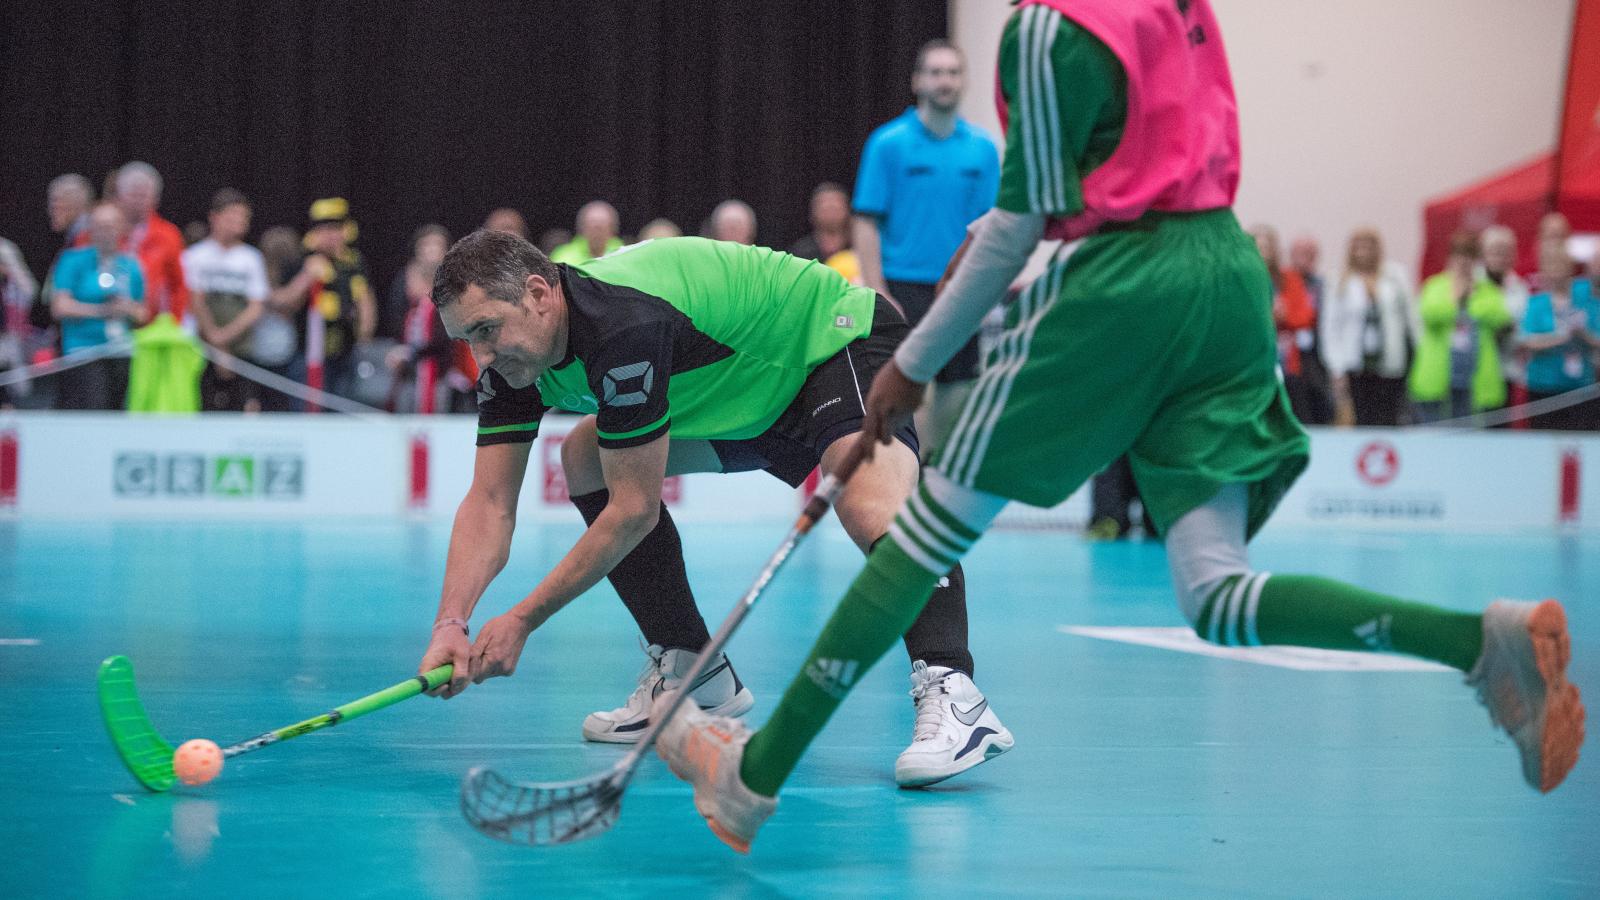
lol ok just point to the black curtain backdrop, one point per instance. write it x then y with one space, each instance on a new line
434 111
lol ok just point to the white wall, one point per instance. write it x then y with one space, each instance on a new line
1357 111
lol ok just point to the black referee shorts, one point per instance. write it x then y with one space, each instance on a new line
916 299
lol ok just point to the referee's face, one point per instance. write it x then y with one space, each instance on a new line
941 79
518 340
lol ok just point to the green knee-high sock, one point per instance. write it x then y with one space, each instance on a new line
882 603
1307 611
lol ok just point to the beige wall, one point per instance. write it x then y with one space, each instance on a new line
1357 111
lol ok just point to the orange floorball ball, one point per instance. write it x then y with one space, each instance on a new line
197 761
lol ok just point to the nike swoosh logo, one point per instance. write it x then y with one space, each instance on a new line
702 681
970 716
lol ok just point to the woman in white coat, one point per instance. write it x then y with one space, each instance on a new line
1367 330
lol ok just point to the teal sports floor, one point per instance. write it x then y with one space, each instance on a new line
1138 771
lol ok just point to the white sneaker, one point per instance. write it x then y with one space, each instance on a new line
1521 677
955 728
706 751
717 690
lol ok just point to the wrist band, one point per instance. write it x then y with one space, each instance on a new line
452 620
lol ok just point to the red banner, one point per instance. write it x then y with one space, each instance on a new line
1578 149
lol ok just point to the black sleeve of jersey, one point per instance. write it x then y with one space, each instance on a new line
507 415
629 378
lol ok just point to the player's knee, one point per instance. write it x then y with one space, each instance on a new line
580 457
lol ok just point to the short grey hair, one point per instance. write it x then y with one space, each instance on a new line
733 206
138 169
498 262
72 182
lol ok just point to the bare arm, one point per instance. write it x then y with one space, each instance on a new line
633 476
480 543
64 306
868 245
291 298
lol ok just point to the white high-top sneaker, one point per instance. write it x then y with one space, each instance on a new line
1521 676
718 691
955 728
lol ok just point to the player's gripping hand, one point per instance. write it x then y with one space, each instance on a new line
449 645
498 647
890 403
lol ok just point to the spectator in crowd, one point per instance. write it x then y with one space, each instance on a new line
1366 334
228 281
552 239
17 290
275 341
733 220
598 227
69 198
98 292
1457 367
431 372
508 220
1295 318
1560 332
157 242
1303 258
830 224
280 249
924 176
330 298
660 228
1554 227
1499 267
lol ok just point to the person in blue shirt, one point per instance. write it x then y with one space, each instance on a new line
1560 333
925 175
97 296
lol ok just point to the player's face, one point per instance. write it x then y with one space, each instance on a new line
517 340
940 80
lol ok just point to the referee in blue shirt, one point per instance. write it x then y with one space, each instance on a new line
925 175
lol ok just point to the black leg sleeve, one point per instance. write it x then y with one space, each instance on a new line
653 583
939 635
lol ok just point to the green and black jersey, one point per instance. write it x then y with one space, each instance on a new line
707 339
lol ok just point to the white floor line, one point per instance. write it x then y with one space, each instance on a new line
1184 640
19 642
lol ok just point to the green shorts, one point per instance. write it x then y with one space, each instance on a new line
1155 340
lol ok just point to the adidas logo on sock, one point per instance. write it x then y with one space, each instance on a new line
1375 632
833 676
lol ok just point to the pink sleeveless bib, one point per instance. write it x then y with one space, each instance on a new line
1180 146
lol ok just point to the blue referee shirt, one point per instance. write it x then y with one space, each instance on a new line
924 191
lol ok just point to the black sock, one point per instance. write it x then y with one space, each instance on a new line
653 583
938 637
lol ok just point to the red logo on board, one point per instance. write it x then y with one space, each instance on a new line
1378 463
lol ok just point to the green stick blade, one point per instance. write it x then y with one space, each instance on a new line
143 751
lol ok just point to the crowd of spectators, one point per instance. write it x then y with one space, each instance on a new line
294 308
1360 344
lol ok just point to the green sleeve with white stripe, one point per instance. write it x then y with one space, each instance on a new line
1066 100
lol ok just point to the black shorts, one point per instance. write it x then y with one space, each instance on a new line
916 299
830 406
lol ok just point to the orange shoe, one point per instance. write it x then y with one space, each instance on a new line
706 751
1521 677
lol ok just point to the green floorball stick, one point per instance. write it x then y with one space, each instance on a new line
149 757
